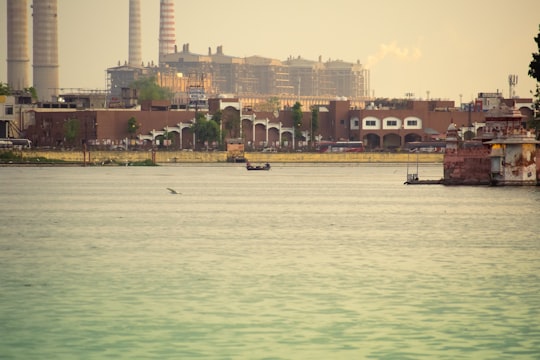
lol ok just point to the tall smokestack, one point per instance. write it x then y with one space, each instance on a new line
135 57
18 62
45 48
167 30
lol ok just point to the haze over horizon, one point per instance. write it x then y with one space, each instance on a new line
417 47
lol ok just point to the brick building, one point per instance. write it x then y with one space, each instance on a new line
379 128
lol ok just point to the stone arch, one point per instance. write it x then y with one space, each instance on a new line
247 129
372 141
468 135
287 139
411 137
391 141
231 122
260 135
273 137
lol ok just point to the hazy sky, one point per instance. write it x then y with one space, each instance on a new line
445 47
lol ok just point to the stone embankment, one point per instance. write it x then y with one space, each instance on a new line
162 157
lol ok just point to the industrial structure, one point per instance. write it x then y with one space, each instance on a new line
252 79
45 47
167 29
135 53
18 61
45 43
259 77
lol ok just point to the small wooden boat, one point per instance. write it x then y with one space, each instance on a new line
258 167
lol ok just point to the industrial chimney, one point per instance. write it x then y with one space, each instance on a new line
18 62
45 20
135 57
167 30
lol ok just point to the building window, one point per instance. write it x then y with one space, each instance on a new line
9 110
391 123
412 123
342 122
356 123
371 123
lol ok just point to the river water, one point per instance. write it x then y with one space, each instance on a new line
300 262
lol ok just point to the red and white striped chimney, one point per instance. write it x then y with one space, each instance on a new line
167 30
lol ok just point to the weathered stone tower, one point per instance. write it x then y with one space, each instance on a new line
513 148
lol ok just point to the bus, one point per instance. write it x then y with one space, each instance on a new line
426 146
341 146
15 143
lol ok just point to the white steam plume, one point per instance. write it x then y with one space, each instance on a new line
393 50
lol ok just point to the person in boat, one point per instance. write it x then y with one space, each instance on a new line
267 165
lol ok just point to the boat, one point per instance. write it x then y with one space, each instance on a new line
257 167
413 179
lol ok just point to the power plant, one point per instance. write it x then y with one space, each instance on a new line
255 78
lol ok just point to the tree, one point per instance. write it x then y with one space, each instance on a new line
297 119
204 130
149 89
217 116
4 89
534 72
32 91
71 130
132 126
232 125
534 66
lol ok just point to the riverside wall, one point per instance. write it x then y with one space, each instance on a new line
98 157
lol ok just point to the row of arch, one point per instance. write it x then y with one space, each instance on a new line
259 133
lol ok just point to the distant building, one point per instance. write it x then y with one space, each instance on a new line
253 79
379 129
14 116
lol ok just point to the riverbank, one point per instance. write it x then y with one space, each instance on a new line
164 157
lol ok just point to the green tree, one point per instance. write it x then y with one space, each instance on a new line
149 89
71 130
534 72
314 124
217 116
231 123
297 120
204 130
132 126
4 89
534 66
33 92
